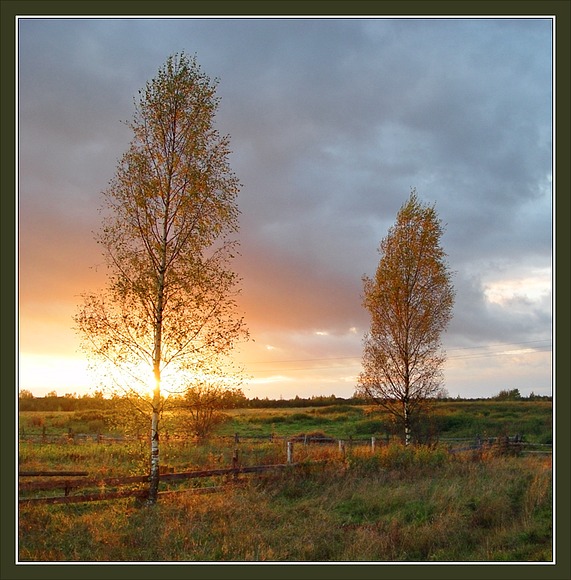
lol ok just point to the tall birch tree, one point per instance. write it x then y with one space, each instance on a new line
410 301
168 313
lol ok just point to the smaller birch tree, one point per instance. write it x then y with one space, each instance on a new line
410 301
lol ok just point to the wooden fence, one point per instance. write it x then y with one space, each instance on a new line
467 442
107 487
102 484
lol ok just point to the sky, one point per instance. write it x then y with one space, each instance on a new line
331 121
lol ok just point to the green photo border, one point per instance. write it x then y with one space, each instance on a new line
558 8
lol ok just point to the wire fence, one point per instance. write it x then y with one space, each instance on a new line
453 444
276 453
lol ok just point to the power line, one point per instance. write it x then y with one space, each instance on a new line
304 360
501 353
502 344
540 348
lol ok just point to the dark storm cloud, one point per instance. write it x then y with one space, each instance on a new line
459 109
332 121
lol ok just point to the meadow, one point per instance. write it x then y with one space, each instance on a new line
388 503
449 419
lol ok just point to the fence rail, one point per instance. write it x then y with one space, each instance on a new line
237 437
52 473
453 444
71 481
68 485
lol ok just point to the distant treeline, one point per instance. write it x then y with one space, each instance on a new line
73 402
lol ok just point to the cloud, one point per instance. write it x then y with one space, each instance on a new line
332 121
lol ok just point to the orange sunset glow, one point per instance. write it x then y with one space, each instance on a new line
331 122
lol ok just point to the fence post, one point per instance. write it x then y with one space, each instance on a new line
342 448
372 444
236 438
290 451
507 443
44 434
235 462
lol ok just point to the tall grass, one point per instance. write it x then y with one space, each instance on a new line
397 504
102 459
418 503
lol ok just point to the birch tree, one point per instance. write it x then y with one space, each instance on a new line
168 313
410 301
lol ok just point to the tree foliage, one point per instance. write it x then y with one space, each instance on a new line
508 395
202 407
168 312
410 302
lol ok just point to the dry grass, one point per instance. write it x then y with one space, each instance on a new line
397 505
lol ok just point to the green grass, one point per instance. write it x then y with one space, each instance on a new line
464 419
491 418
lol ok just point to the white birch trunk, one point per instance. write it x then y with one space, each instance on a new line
154 475
407 434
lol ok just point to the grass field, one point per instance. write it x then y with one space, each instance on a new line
420 503
447 419
462 419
